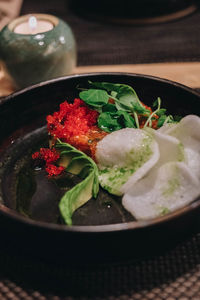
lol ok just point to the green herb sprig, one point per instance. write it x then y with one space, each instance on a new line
161 113
125 110
123 113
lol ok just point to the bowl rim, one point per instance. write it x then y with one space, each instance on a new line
133 225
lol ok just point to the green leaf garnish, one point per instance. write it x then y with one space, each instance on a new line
124 95
148 122
161 121
109 108
161 112
109 121
94 97
78 163
125 120
155 103
125 100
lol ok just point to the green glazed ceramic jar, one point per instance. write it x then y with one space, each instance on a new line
39 55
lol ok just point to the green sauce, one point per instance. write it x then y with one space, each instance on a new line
172 185
181 156
112 178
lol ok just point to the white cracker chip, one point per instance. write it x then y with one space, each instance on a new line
123 154
188 133
164 190
170 149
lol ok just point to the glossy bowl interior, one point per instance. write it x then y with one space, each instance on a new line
103 236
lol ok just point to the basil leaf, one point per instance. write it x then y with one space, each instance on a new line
78 163
76 197
94 97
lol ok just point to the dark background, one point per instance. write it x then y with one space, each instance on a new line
103 42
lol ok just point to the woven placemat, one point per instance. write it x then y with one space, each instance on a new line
172 275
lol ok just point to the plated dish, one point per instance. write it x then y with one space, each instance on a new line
30 201
108 138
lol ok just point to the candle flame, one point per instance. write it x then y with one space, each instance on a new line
32 23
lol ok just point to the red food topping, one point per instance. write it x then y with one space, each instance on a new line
75 124
46 154
71 120
50 157
53 170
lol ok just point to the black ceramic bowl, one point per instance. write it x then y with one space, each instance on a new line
100 233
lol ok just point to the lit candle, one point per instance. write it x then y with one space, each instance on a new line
33 26
35 48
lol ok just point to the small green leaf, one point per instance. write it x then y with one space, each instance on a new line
155 103
170 119
140 109
161 112
126 120
108 86
108 122
109 108
93 97
124 95
127 100
161 120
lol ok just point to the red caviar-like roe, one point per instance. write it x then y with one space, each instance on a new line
75 123
71 120
49 157
46 154
53 170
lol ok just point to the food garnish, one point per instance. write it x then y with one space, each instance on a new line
77 163
109 137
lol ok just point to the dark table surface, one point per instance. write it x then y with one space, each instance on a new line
102 43
174 274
